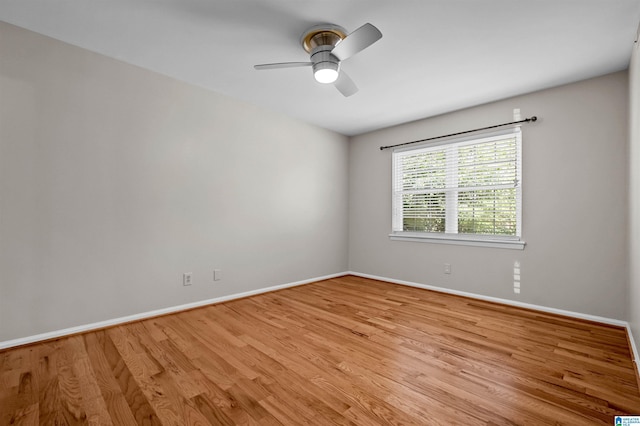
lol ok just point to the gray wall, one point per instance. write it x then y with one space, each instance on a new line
115 180
574 203
634 195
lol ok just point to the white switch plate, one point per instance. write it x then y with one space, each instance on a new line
447 268
217 274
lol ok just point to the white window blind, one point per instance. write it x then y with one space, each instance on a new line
468 187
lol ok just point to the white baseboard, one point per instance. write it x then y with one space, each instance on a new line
610 321
634 350
603 320
145 315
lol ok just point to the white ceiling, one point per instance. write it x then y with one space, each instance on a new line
435 55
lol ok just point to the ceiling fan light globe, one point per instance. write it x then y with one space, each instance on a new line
325 75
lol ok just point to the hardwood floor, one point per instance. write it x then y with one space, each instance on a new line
343 351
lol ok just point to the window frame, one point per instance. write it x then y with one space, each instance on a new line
448 237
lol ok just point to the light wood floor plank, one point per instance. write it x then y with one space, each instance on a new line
345 351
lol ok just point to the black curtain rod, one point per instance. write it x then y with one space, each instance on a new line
526 120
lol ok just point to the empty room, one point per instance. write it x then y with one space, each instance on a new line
311 213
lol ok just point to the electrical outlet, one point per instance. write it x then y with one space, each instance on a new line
217 274
447 268
187 278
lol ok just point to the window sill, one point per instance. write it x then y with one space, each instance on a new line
459 240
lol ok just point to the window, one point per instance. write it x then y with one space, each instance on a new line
465 191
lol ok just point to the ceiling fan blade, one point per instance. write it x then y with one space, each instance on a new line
282 65
358 40
345 85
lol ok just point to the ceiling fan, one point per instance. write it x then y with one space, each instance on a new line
329 45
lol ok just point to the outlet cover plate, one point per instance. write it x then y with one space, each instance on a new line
187 278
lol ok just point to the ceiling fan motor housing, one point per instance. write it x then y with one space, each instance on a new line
319 41
322 35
